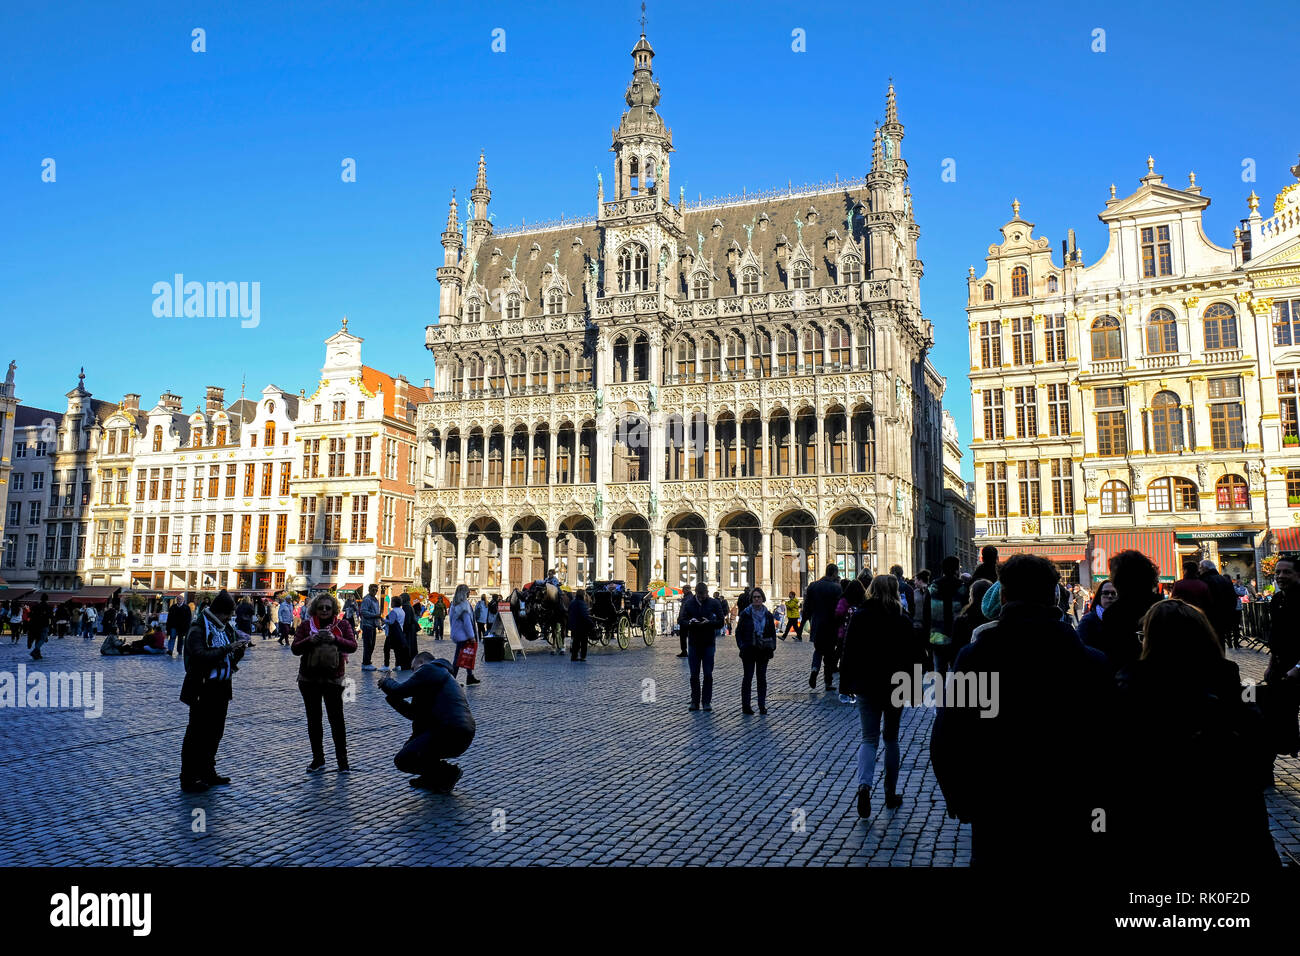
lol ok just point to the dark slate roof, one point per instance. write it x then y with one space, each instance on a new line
775 218
28 415
245 410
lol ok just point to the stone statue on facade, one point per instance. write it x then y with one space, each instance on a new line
654 398
600 400
600 507
798 225
9 379
654 506
749 231
1203 475
699 244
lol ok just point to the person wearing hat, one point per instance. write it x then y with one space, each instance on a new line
213 649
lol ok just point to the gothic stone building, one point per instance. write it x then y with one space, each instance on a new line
731 391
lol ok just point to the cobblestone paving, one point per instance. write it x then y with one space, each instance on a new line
578 768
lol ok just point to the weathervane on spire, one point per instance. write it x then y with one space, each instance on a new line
643 19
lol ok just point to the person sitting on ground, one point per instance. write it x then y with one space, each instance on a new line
441 723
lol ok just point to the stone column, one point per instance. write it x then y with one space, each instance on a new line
505 564
711 556
602 555
460 557
550 550
819 454
764 576
822 559
765 469
553 435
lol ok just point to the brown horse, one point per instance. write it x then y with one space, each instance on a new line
539 609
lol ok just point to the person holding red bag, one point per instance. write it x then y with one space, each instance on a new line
465 633
323 641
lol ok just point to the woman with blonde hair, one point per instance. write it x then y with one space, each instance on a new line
323 641
463 628
877 645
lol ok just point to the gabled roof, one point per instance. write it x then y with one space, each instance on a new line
27 415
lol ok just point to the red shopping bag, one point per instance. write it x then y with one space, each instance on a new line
467 654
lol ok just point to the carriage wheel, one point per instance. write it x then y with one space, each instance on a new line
624 632
605 629
648 627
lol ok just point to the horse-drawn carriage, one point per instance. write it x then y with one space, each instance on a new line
617 612
542 612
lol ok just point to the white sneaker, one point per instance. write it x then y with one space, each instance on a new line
384 668
367 667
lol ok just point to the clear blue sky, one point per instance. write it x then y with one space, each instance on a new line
225 165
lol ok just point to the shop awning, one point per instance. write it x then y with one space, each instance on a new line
91 595
352 587
1054 552
13 594
1160 546
1287 539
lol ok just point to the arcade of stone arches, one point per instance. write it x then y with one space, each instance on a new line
685 550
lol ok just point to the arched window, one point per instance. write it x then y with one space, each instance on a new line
1230 493
1220 327
710 357
813 340
512 306
1106 339
1052 284
749 281
1114 498
1019 281
539 369
634 174
1162 332
851 270
269 440
157 438
554 302
1166 423
685 359
800 275
839 345
785 351
563 368
988 292
735 354
474 310
1171 494
633 268
700 286
518 373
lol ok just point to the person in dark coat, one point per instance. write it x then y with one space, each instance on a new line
179 619
819 603
1192 589
971 616
212 654
410 626
1136 578
1031 729
1223 603
323 633
988 567
580 626
245 614
1090 623
1192 757
38 626
756 639
879 643
441 723
700 619
939 610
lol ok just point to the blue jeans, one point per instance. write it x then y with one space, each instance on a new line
871 718
700 650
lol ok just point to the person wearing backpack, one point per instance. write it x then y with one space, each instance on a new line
756 637
940 610
323 641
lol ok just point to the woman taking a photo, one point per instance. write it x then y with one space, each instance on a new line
877 646
756 637
323 641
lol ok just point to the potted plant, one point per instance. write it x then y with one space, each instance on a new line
1293 500
1291 440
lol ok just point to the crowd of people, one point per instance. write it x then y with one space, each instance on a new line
1103 706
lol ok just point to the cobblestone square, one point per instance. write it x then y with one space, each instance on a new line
570 764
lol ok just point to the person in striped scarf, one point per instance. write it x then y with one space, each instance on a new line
213 649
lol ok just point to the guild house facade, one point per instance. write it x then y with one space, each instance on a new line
733 391
1148 400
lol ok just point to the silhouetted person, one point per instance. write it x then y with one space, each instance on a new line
1136 579
819 603
1024 773
1192 758
988 566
